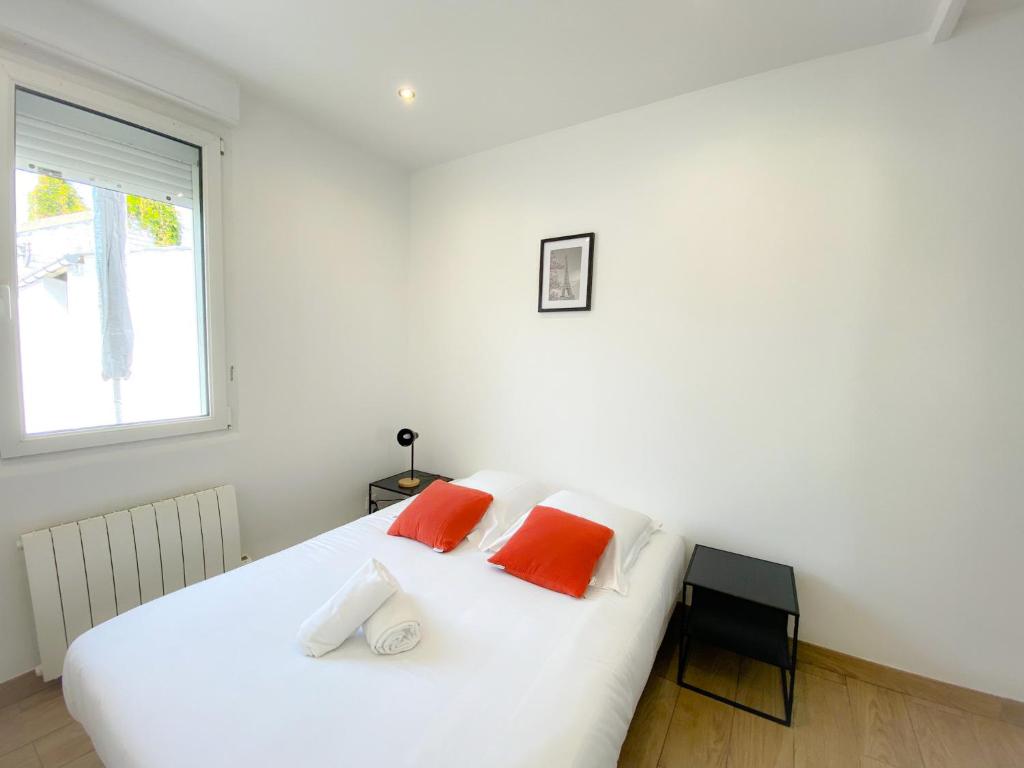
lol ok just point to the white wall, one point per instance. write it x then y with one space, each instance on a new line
316 238
805 341
100 42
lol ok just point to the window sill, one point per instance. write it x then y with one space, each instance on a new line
61 443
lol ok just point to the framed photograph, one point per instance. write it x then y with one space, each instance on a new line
566 273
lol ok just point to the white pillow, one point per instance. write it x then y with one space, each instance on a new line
514 496
632 532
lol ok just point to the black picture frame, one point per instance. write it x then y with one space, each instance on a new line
589 238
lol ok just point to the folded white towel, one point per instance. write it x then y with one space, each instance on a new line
334 621
395 627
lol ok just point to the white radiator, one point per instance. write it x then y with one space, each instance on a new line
83 573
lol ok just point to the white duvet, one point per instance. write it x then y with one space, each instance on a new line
506 674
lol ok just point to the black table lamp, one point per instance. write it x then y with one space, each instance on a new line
406 437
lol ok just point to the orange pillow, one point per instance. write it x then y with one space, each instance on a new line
555 550
442 515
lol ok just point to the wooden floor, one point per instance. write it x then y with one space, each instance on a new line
838 722
38 731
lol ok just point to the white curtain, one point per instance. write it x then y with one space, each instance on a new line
110 227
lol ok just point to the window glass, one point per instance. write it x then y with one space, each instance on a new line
110 294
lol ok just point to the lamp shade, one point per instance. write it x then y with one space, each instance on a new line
406 437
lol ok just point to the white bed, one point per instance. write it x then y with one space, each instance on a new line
507 673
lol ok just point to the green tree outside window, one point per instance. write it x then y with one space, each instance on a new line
54 197
159 219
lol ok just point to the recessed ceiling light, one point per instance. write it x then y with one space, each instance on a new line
406 94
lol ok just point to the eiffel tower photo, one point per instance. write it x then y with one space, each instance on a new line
566 292
565 268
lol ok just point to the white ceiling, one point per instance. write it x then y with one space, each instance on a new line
982 7
489 72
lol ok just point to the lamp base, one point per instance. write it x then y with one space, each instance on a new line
408 482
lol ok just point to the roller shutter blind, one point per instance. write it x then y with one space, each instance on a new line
60 140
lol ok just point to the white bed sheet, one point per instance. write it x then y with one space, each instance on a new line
507 673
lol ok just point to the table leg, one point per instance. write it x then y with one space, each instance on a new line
684 643
792 672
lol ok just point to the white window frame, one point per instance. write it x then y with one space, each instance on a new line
14 442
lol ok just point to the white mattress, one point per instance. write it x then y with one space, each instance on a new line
507 673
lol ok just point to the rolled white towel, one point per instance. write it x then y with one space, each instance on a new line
394 627
334 621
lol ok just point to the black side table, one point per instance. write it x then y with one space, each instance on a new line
390 484
743 605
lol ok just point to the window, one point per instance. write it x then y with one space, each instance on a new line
112 278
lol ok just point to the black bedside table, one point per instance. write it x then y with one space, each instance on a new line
390 484
743 605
